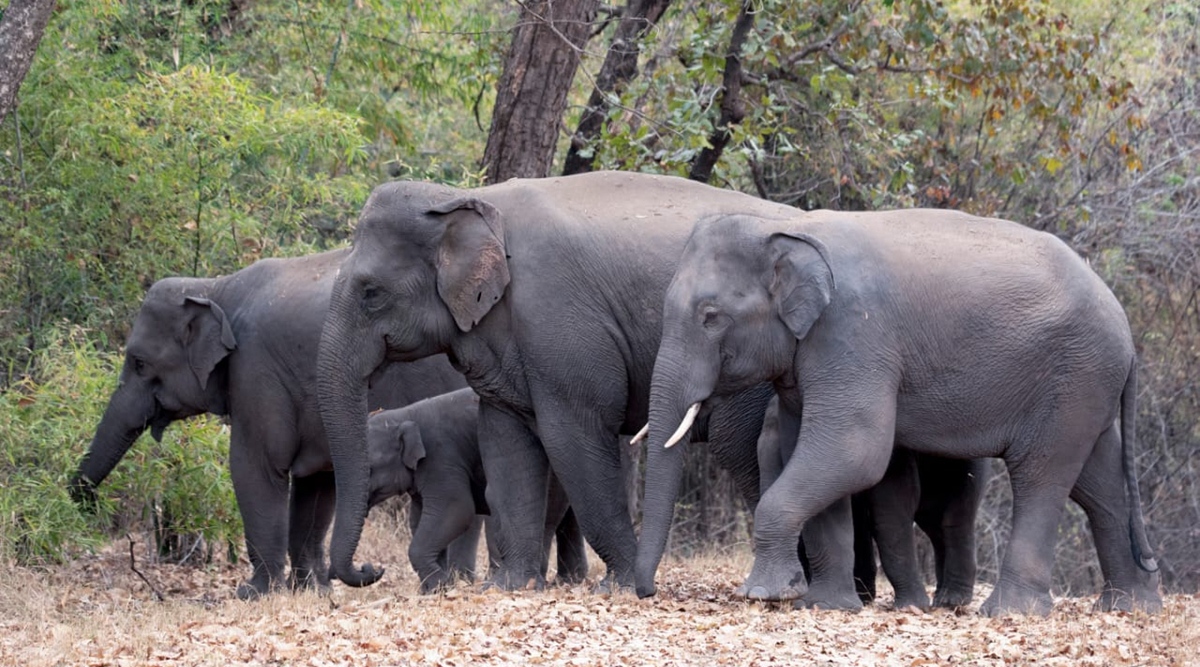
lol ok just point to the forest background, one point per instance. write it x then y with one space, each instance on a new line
192 137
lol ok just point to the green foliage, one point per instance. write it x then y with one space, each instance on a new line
45 428
862 105
177 139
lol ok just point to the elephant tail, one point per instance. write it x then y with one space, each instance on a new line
1143 555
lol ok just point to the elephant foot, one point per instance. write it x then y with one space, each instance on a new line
829 598
435 581
459 574
247 591
953 598
917 600
1143 599
776 581
565 579
610 585
1010 599
303 579
509 580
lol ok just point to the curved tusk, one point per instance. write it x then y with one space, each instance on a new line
686 424
641 435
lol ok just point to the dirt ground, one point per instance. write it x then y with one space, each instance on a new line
97 612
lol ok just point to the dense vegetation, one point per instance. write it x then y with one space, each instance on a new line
191 138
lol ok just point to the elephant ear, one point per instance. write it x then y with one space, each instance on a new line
209 339
802 284
412 447
472 269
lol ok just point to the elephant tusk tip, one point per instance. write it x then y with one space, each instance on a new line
640 435
684 426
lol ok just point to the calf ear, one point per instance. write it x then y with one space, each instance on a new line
412 447
802 284
472 269
208 337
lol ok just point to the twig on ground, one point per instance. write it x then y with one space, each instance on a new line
133 566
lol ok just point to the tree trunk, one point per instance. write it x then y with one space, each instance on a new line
619 68
733 110
21 26
532 93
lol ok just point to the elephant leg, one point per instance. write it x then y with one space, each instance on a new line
829 547
583 452
838 453
894 502
262 497
572 550
1101 492
865 568
493 547
442 520
563 527
951 490
733 433
1042 467
414 520
462 552
312 505
517 471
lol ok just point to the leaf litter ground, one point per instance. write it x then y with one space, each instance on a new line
95 611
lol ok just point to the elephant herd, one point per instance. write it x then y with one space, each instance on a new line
901 349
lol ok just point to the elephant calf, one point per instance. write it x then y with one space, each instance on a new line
430 450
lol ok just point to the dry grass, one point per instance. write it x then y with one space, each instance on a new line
96 611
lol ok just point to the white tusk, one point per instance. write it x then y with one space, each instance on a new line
641 435
686 424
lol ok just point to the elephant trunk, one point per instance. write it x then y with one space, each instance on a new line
342 392
130 411
672 400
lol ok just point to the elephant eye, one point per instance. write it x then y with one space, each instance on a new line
371 297
139 366
711 316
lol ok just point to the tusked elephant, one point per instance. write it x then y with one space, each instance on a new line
244 345
932 330
430 451
547 295
940 495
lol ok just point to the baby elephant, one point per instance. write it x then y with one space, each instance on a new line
430 450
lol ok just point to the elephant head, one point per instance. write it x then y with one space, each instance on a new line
172 371
738 304
427 264
395 448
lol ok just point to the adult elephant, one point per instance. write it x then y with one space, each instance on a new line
940 495
932 330
547 295
244 345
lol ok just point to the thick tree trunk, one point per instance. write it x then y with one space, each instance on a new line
21 28
532 93
619 68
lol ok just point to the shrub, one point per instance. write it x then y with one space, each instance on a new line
178 489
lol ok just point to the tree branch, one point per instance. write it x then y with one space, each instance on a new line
732 108
619 68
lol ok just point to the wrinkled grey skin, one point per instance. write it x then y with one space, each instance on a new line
547 295
244 345
430 450
932 330
940 495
